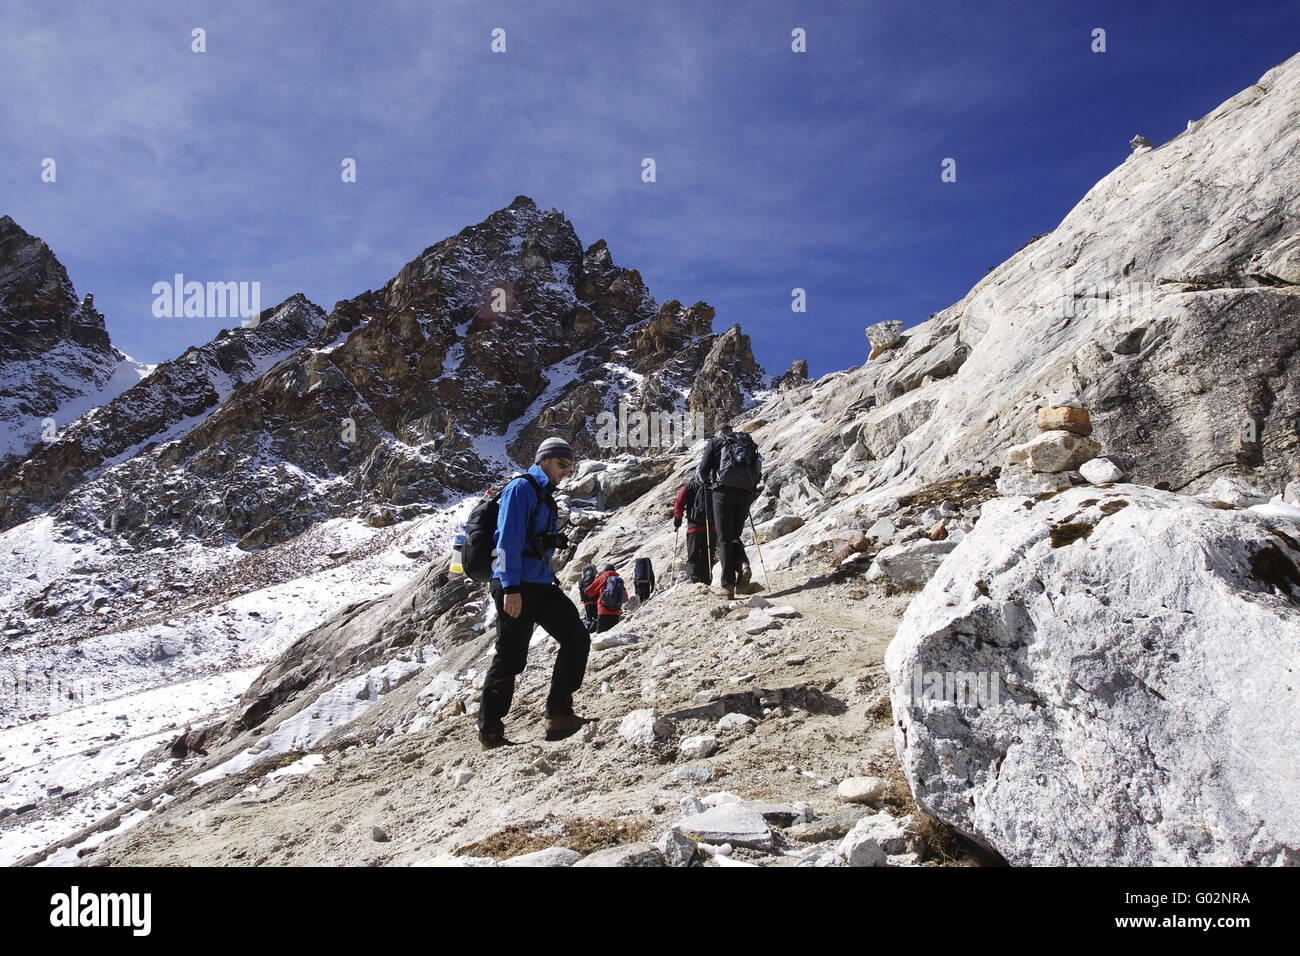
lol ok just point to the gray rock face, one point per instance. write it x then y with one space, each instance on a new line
1165 301
1062 714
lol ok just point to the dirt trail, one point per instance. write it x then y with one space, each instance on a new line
815 685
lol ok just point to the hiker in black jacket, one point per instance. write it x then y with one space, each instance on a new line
733 469
695 504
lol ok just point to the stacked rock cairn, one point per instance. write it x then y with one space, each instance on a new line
1063 450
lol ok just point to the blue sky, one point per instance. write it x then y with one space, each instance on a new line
775 169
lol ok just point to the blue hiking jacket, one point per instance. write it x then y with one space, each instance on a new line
512 567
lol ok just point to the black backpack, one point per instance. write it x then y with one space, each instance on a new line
641 571
585 581
480 531
699 505
738 465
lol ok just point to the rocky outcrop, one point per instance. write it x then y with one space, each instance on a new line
1167 301
54 349
729 370
1104 678
174 397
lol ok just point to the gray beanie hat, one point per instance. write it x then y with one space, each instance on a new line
553 448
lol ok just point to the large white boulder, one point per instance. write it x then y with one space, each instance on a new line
1109 677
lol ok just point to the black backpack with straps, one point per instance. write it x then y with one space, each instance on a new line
738 462
481 527
699 505
587 579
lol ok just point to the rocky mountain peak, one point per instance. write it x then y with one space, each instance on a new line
54 348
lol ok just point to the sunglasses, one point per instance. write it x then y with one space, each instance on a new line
564 463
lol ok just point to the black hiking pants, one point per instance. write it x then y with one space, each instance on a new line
589 610
642 590
700 555
730 509
607 621
547 605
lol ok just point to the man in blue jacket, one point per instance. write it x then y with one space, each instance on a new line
526 593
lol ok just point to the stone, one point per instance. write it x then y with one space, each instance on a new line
1292 493
613 638
832 826
1234 491
1160 689
779 526
777 814
909 566
1064 400
690 806
1075 420
677 848
628 854
1054 451
1101 471
551 856
783 611
882 530
863 789
378 834
1140 144
731 823
736 721
759 621
874 838
884 335
939 532
695 773
463 777
698 747
642 728
1011 485
820 856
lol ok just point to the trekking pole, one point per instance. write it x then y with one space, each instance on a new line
673 563
760 553
708 548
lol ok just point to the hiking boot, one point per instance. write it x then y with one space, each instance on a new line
566 722
493 739
726 592
565 725
743 577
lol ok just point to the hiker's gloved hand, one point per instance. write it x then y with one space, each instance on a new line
561 542
677 523
514 604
